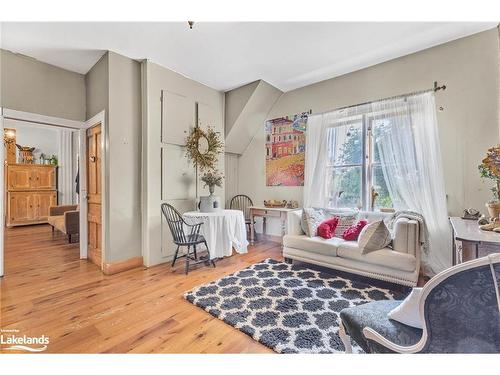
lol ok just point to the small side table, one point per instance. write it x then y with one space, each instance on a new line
468 232
280 213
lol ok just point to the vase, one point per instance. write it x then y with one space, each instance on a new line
493 209
210 203
211 189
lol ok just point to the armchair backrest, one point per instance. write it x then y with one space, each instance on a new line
461 308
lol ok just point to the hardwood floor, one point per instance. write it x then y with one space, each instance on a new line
48 290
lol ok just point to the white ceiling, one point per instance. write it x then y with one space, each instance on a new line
222 55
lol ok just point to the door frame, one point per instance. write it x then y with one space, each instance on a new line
82 126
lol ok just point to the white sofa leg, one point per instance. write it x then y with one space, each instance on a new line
346 340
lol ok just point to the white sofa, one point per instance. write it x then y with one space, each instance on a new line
399 264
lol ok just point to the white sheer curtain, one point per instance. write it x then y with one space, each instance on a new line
316 159
406 137
65 170
409 149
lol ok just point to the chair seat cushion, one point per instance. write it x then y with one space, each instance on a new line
57 222
384 257
374 315
316 245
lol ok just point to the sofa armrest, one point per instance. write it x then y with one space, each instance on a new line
72 222
60 210
293 222
406 237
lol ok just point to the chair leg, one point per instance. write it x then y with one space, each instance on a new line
346 340
69 238
194 250
208 250
213 262
186 270
175 256
52 230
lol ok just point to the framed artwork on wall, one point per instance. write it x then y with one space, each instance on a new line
285 150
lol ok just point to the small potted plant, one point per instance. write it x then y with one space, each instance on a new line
212 179
490 168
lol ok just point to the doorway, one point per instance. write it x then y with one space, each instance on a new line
92 215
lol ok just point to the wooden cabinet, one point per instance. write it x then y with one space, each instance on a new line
30 191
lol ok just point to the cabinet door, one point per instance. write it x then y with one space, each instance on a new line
19 177
45 178
177 117
43 202
21 207
206 117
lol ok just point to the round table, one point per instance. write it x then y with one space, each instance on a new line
223 230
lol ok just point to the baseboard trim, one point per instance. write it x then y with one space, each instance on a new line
124 265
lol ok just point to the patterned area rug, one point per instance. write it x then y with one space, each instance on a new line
288 308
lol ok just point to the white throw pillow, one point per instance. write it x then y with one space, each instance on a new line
311 219
345 221
408 311
374 236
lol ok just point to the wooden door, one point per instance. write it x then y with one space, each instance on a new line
45 178
94 189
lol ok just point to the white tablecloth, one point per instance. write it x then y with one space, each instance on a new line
223 230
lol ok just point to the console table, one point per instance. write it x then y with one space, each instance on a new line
280 213
468 233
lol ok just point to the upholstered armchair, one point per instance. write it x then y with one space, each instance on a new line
459 308
66 219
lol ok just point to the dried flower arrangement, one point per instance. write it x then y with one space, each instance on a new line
490 168
212 179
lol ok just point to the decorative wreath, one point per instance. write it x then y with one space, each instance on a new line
204 160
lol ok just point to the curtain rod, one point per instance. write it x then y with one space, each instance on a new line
435 89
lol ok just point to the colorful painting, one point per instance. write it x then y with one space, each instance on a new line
285 150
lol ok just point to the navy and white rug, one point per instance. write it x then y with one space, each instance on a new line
288 308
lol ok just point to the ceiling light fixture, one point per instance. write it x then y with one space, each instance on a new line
191 23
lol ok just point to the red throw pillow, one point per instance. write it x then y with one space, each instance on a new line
352 233
327 228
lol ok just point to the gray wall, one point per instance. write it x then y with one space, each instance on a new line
114 85
171 178
32 86
124 158
97 87
467 126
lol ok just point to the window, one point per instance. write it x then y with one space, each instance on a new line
355 176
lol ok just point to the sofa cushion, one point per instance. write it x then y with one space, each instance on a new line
57 222
352 233
316 245
374 236
327 228
345 221
384 257
372 216
311 219
374 315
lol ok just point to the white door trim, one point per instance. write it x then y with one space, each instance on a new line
42 119
61 122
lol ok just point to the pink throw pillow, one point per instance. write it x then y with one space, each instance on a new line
352 233
327 228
